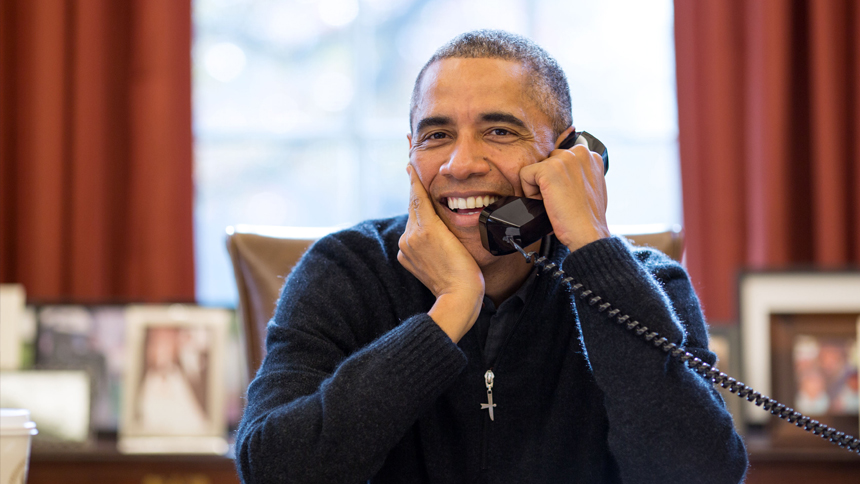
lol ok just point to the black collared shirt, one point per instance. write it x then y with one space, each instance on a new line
494 325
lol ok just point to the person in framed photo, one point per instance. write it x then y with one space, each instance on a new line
171 395
825 375
812 395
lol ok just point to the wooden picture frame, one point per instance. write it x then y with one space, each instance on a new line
173 385
815 372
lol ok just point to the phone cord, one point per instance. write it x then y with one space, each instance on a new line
711 373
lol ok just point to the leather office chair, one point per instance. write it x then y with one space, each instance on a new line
668 239
263 257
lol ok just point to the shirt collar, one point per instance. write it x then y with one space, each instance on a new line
521 293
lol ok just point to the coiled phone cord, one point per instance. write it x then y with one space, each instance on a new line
711 373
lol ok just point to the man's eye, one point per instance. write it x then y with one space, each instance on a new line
500 132
438 135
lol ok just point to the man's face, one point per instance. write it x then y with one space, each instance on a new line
475 128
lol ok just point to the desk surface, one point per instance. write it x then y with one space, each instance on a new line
103 463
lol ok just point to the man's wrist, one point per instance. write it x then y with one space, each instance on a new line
584 239
455 313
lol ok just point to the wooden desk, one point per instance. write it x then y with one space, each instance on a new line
104 464
829 464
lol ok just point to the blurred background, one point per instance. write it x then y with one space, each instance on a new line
134 132
301 107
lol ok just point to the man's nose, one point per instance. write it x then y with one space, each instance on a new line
467 159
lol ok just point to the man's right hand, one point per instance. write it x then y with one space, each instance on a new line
441 262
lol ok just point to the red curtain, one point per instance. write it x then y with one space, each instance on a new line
769 124
96 172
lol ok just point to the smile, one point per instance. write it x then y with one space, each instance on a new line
458 203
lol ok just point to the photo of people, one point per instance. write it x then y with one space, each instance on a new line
174 384
825 370
90 338
172 391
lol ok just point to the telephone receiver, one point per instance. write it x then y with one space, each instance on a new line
512 223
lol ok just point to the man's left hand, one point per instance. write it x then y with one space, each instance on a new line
571 184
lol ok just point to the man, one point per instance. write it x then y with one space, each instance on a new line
402 351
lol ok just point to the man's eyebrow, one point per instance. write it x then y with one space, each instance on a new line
503 118
433 121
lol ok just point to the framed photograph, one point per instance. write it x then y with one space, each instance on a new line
59 404
724 341
12 303
799 346
88 338
173 387
815 370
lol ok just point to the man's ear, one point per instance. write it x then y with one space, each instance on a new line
409 137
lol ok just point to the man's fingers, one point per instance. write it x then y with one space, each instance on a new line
564 134
420 206
576 161
528 180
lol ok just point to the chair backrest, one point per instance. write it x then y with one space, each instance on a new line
264 256
668 239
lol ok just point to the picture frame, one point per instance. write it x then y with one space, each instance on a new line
174 385
724 341
815 358
89 338
777 308
58 402
12 305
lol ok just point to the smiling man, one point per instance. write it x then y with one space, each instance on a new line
402 351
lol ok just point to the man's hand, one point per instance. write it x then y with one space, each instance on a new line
440 261
571 184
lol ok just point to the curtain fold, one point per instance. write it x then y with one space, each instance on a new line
769 127
97 150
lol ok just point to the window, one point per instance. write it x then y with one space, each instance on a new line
301 107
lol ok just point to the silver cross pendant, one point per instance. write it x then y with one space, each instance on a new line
489 377
489 405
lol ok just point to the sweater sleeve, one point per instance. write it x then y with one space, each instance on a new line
336 391
666 422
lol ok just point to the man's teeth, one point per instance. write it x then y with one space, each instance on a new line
455 203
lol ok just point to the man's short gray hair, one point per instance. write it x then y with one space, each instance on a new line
548 86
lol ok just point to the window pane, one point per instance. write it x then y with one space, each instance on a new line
301 107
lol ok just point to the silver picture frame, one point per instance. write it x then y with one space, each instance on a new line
174 381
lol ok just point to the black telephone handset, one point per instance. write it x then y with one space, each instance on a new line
512 223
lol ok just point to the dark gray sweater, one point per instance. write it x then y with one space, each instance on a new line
360 384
